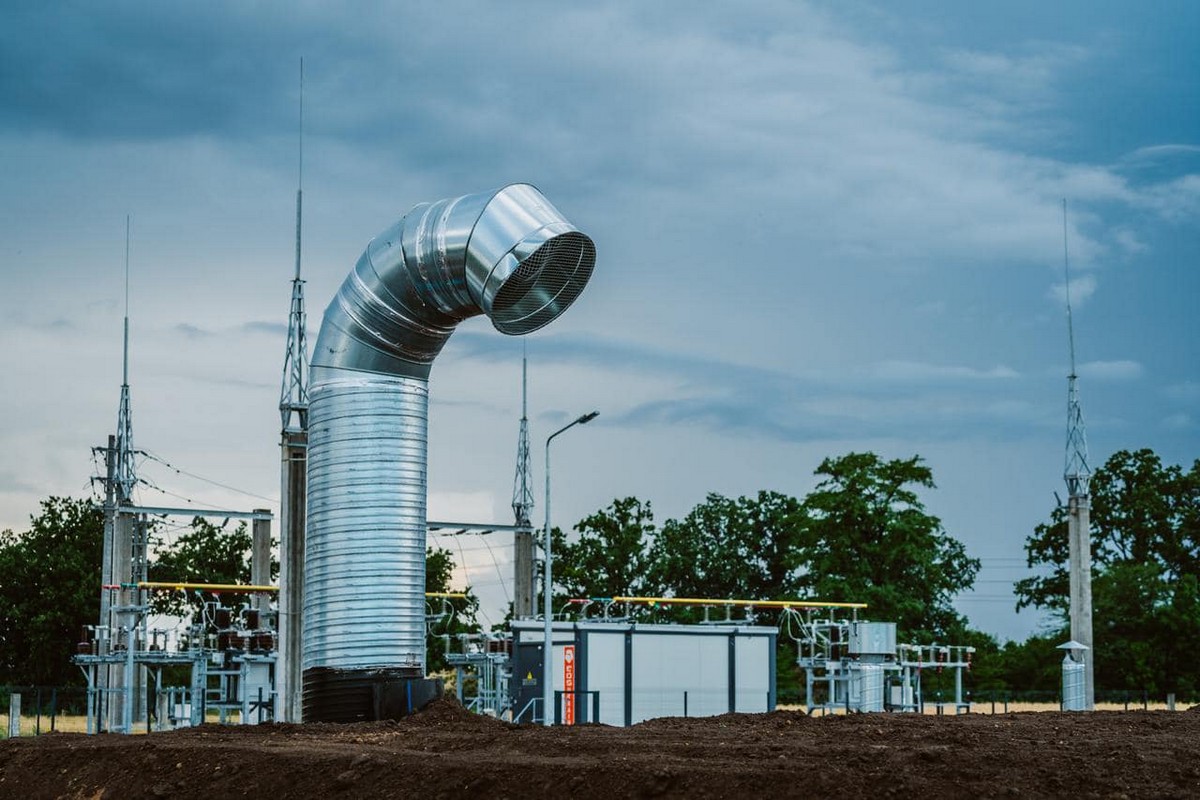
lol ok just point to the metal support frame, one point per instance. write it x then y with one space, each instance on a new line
824 655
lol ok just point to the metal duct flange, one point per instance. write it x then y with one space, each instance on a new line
508 254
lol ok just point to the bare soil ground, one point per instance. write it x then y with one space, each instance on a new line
445 752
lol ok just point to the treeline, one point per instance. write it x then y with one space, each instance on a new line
862 535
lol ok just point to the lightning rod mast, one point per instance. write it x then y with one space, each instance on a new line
293 410
126 472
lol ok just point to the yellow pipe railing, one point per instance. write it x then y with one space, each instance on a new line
239 587
212 587
709 601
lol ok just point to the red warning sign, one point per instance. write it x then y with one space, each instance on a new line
569 684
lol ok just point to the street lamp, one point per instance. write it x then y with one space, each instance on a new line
548 638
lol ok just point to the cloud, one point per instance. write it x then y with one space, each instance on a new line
266 327
790 113
192 331
884 399
605 353
10 483
1128 241
1082 288
917 372
1185 392
1175 200
1179 422
1111 370
1159 152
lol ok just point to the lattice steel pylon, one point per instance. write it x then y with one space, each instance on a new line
1077 475
522 506
293 395
522 499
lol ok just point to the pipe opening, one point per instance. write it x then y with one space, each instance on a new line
545 284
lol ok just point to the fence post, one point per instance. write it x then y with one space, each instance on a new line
14 715
1171 701
53 706
37 725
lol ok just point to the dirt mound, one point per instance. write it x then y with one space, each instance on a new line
448 711
445 752
775 720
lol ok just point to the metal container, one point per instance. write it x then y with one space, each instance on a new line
872 639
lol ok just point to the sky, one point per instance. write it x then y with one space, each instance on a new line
822 227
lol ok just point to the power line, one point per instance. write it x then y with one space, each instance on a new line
496 564
181 471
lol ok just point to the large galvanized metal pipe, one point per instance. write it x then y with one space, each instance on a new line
508 254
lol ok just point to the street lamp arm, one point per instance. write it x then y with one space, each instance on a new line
582 420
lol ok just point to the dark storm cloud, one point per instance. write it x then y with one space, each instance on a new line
140 71
429 87
626 357
731 416
928 401
928 418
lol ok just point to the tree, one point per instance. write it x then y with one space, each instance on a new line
207 553
611 556
1145 524
49 590
449 617
749 548
869 539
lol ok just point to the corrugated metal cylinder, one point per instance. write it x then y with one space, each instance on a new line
365 569
508 254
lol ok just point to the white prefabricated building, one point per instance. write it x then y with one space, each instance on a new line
621 673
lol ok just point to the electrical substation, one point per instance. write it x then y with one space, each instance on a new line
342 637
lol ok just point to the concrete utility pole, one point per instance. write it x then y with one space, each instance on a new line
522 506
293 409
260 558
1077 475
105 632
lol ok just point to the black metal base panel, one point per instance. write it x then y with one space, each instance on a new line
367 695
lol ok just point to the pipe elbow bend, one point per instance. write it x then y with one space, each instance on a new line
508 254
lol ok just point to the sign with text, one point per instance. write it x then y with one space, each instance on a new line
569 684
